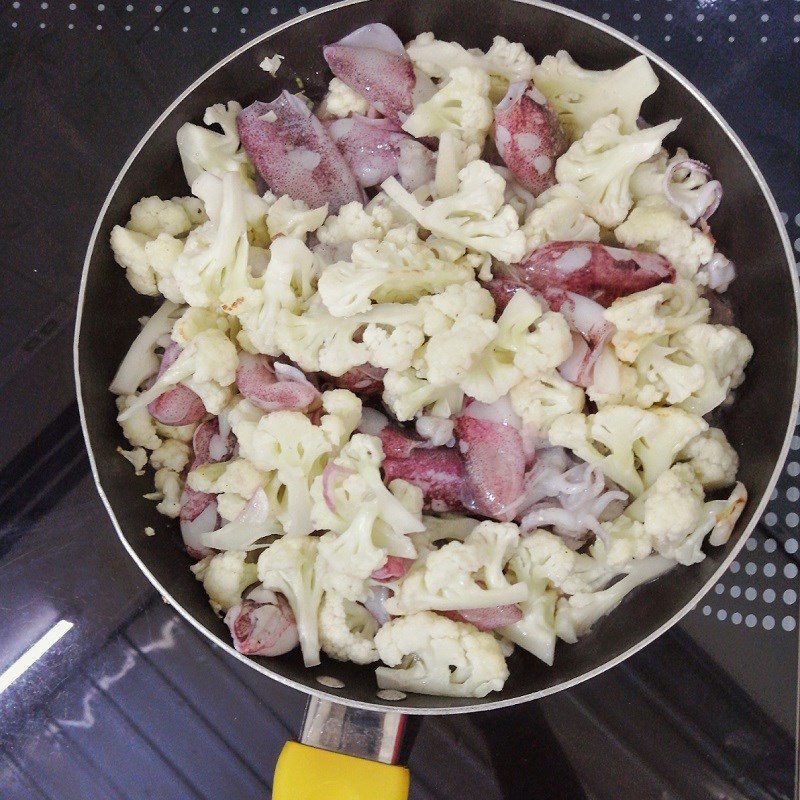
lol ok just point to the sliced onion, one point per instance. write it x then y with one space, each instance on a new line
329 474
501 412
574 368
194 530
721 272
372 421
376 603
218 447
252 524
287 372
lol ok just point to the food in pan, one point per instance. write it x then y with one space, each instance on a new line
439 359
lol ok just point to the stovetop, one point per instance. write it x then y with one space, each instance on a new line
112 695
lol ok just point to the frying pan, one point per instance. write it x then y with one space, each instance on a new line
748 229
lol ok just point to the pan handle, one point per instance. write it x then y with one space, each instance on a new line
344 753
309 773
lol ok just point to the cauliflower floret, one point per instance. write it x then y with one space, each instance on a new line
582 96
318 341
406 395
527 343
431 654
138 427
462 575
152 215
662 310
354 485
461 105
347 630
540 401
559 219
225 576
712 458
631 446
342 415
600 164
452 156
475 216
272 64
576 614
169 488
355 223
289 566
136 457
172 454
195 320
723 351
287 217
398 269
342 101
203 150
207 365
238 476
288 445
287 285
657 226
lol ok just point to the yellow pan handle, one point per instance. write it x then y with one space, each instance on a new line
308 773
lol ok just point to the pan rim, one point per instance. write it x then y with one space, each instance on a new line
484 705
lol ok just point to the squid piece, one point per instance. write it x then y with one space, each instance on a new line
377 149
258 381
365 381
593 270
373 62
263 628
494 459
528 136
293 153
179 405
438 471
398 443
487 619
394 568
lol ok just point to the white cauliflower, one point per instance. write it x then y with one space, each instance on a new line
576 614
655 225
559 219
462 575
460 105
452 156
347 630
181 433
194 320
475 216
662 310
289 447
723 351
136 457
272 64
430 654
237 476
148 246
172 454
406 395
225 576
354 223
289 566
138 427
540 401
631 446
399 269
342 101
712 458
528 343
207 365
600 164
342 416
203 150
287 217
582 96
169 488
286 286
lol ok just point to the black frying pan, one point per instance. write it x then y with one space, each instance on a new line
747 225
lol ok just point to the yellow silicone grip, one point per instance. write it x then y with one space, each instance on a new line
308 773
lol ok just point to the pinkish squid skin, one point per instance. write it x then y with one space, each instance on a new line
495 466
593 270
528 136
179 405
438 472
373 62
398 443
366 380
394 568
487 619
295 155
377 149
256 380
263 629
